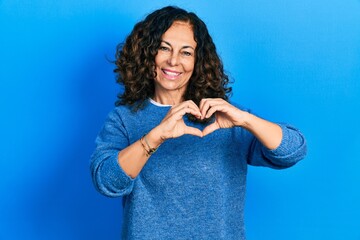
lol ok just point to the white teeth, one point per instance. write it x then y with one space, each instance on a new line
171 73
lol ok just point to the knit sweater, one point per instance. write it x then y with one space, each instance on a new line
191 187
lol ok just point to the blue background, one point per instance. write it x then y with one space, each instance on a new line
292 61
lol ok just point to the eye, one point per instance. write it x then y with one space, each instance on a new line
186 53
164 48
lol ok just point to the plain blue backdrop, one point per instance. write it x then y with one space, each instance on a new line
291 61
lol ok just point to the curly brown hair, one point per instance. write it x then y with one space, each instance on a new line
135 60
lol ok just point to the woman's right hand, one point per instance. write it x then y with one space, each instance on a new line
133 158
173 125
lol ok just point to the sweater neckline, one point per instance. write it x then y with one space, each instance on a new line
158 104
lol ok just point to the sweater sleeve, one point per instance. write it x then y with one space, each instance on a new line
292 149
107 175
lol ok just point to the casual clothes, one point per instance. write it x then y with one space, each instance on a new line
191 187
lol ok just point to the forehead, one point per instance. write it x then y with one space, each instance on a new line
180 33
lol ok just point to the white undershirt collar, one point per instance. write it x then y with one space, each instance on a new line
158 104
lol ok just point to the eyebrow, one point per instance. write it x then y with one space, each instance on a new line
181 47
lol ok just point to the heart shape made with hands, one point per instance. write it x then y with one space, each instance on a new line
210 127
205 124
223 113
225 116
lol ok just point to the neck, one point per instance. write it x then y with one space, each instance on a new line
168 98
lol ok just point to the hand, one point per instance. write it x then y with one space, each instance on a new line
173 125
226 115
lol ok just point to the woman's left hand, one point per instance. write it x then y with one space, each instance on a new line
226 115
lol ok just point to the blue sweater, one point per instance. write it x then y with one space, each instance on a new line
191 188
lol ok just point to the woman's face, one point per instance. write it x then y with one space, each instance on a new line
175 59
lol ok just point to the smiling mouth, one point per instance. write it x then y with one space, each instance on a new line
171 74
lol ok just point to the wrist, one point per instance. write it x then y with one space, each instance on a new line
154 138
246 120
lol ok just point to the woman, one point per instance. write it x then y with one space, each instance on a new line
174 148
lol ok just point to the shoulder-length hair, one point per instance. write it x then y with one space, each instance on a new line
135 60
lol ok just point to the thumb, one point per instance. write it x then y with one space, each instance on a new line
193 131
210 128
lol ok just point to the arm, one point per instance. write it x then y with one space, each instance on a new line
108 178
115 162
292 149
227 115
272 145
133 158
268 133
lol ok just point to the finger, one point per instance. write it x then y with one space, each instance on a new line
207 103
185 104
207 100
202 102
204 106
213 109
181 112
191 103
193 106
193 131
196 108
188 103
210 128
189 108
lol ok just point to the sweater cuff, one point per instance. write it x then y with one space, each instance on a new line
291 149
119 182
282 149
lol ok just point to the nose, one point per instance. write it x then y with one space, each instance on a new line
173 59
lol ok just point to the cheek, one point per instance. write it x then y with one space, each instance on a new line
159 59
189 66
